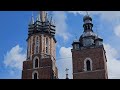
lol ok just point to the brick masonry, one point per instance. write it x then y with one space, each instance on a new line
99 68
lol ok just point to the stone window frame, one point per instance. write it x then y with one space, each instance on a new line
33 73
36 57
91 64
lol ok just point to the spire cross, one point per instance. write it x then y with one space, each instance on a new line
66 70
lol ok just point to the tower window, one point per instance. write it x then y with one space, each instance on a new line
46 50
76 46
47 44
46 41
36 49
88 65
35 76
36 63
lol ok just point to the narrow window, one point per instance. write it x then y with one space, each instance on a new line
47 45
36 49
46 50
37 45
36 63
88 65
35 76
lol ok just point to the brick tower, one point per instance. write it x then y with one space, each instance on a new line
88 54
41 49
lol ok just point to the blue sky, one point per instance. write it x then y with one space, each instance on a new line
14 26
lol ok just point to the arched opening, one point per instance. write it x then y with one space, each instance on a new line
36 63
88 68
35 76
88 64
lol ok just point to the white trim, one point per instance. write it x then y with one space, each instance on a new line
85 67
34 73
36 57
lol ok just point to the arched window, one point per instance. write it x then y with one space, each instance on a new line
47 44
36 62
35 75
88 64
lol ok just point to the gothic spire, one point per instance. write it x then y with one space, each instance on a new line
43 16
32 19
38 17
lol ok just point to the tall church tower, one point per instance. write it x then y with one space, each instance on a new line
88 54
41 49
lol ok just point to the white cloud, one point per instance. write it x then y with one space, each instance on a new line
64 61
113 64
61 25
117 30
104 15
14 58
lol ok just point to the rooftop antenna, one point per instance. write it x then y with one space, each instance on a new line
66 73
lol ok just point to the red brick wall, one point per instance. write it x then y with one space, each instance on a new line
100 74
45 69
98 63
